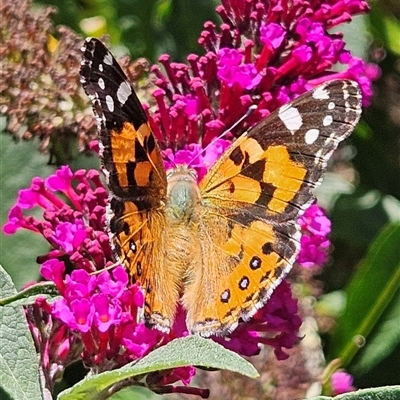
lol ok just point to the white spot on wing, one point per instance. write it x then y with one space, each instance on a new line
291 117
320 93
101 83
331 105
311 136
123 92
327 120
108 59
101 69
110 103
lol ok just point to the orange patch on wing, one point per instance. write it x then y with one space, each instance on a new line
247 243
250 240
122 144
285 174
143 132
226 167
242 188
123 152
142 173
253 149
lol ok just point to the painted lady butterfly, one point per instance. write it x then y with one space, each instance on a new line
220 247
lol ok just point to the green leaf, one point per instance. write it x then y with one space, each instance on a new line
19 373
19 162
383 339
355 35
386 28
190 350
137 393
380 393
371 291
369 212
47 290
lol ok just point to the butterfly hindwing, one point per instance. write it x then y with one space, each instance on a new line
256 192
246 263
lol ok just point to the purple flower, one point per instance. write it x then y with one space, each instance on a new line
103 308
314 251
99 309
184 374
264 53
16 221
198 158
232 72
106 312
272 35
61 180
341 382
62 226
79 284
53 270
139 340
116 286
315 221
69 236
82 311
315 244
62 311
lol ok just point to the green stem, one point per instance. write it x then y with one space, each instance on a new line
367 325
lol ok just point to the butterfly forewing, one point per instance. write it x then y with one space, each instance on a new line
286 153
130 155
132 163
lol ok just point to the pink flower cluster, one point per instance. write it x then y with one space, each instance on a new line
341 382
75 229
264 53
315 244
100 308
96 317
103 309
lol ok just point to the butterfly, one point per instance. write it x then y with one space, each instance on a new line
222 246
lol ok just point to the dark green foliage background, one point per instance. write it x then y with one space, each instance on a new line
149 28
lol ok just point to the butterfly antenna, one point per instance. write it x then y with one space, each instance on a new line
225 132
166 157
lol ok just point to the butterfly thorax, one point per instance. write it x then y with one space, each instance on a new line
183 194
